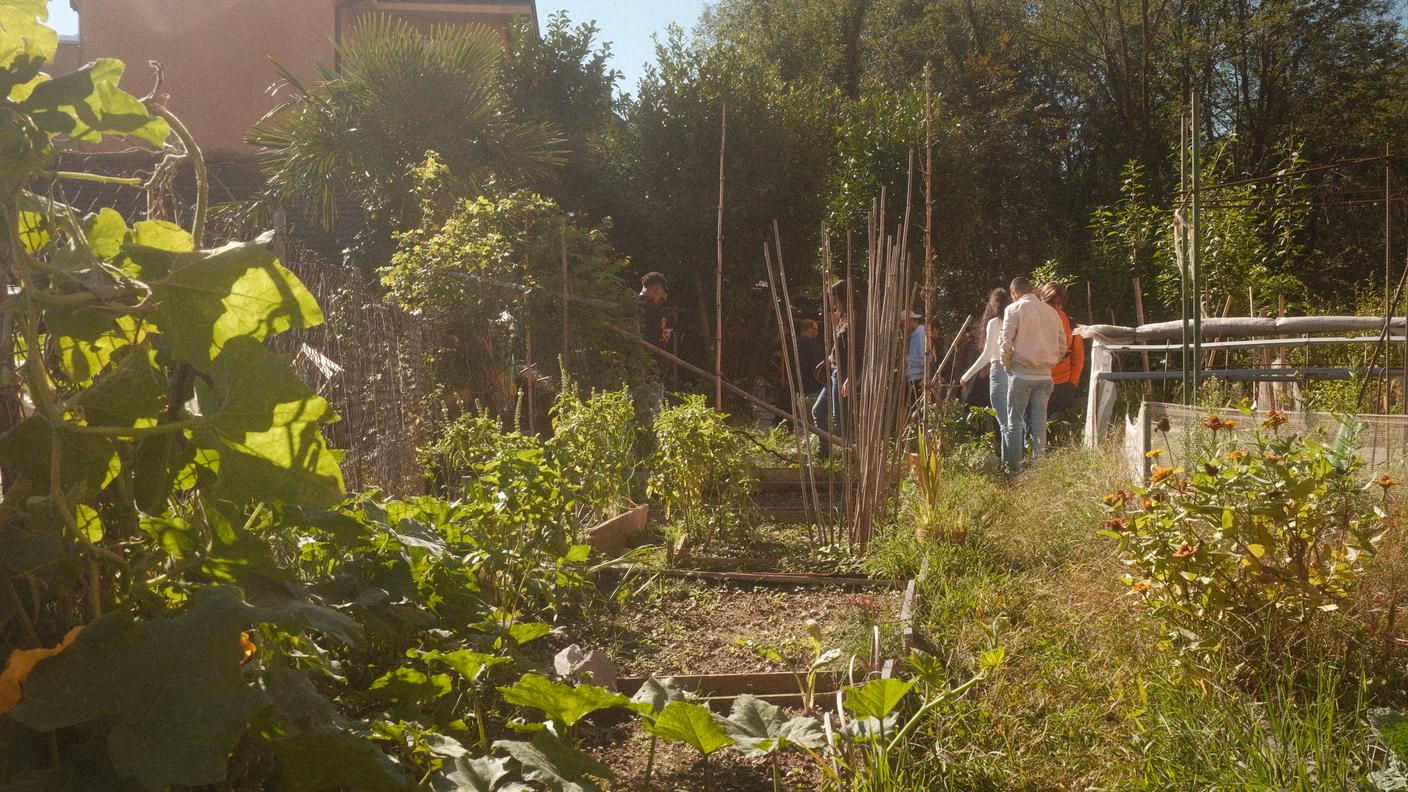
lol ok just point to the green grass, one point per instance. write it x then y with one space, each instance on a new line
1088 698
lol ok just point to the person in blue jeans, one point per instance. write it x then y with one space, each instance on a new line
989 360
1033 342
831 413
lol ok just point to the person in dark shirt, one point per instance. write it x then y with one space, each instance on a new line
655 325
810 357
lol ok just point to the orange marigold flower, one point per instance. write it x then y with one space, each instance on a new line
1148 503
1155 454
1142 586
247 648
1185 550
1236 456
1386 481
1272 456
1212 422
1274 419
1230 424
1118 498
1116 523
1161 474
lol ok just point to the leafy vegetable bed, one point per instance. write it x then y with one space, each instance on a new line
692 627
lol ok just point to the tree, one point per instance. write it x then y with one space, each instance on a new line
665 158
563 78
396 95
485 273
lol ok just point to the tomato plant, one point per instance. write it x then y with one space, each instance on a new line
594 440
699 461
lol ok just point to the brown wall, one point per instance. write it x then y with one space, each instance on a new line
218 54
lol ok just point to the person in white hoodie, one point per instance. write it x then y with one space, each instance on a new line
1033 342
989 362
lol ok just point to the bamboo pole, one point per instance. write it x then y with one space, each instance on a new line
790 368
1180 249
719 274
938 382
566 301
930 257
1226 312
799 391
1195 261
843 405
828 334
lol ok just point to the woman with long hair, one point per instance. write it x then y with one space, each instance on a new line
989 362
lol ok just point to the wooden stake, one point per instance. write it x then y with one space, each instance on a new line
719 274
799 401
789 366
1089 303
930 256
1139 309
566 299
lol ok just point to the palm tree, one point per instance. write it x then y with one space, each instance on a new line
396 96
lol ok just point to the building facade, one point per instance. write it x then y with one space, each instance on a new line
218 56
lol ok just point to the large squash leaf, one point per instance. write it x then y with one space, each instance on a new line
692 724
209 297
87 104
547 761
485 774
170 688
563 704
762 728
327 761
263 422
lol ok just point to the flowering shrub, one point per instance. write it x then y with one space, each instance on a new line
1250 546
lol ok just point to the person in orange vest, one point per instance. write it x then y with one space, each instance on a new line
1065 394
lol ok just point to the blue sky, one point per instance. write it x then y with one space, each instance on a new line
627 24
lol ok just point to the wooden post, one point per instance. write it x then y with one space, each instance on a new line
566 298
1212 354
1089 303
1139 309
719 274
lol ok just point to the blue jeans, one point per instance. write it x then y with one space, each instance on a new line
998 383
827 413
1026 412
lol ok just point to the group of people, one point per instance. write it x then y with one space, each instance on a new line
1032 361
1027 355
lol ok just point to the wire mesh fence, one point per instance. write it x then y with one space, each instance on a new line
368 360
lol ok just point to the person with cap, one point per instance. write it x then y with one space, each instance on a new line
655 325
657 330
918 348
